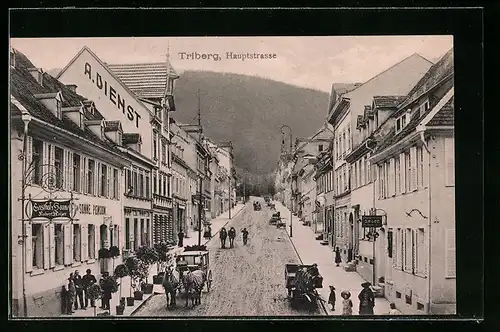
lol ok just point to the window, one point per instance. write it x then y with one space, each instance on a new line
127 233
58 108
77 249
115 184
449 152
147 186
76 173
408 170
154 184
420 259
134 183
141 185
119 138
402 121
320 147
155 145
344 143
398 175
349 141
37 161
58 244
59 166
104 181
380 182
165 186
389 244
163 153
91 241
409 249
90 177
37 245
450 253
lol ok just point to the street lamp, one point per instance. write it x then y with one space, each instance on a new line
26 117
291 182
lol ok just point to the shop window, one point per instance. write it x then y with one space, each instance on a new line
91 241
77 243
37 161
59 244
37 245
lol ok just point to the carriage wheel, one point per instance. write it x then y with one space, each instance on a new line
209 280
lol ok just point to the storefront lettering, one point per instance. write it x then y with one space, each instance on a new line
110 92
92 209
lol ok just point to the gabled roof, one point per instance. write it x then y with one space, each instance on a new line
438 71
131 138
147 80
387 101
445 116
24 87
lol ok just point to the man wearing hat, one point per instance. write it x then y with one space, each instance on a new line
87 281
332 297
366 300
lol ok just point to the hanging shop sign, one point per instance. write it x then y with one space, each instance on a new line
371 221
51 209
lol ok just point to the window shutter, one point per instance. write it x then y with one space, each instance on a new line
68 239
449 151
46 247
29 248
52 248
395 250
413 174
99 177
402 163
426 167
450 253
70 168
83 164
84 242
413 250
392 180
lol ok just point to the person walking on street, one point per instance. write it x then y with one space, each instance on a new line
79 290
71 295
338 259
232 235
106 292
245 236
180 236
223 236
366 300
346 303
332 297
87 281
393 310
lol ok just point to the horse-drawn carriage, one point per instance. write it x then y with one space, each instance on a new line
302 282
195 260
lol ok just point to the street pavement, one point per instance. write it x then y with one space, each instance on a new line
247 280
311 251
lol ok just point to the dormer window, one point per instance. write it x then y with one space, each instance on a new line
424 107
119 138
58 108
402 121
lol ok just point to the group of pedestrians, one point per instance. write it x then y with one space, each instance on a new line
366 301
231 234
75 293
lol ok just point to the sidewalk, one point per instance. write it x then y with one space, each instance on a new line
311 251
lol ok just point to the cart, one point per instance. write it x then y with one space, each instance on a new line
195 260
298 294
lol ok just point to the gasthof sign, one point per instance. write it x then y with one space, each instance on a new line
371 221
50 209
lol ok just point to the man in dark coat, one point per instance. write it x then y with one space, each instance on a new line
366 300
338 259
180 235
223 236
106 292
245 236
87 281
79 290
71 293
232 235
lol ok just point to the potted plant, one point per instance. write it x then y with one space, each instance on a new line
109 283
148 256
94 293
132 265
114 252
140 280
162 250
103 253
121 271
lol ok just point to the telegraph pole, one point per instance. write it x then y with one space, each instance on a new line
200 208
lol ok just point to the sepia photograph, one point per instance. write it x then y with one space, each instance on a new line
244 176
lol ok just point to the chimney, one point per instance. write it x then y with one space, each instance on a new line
72 87
37 74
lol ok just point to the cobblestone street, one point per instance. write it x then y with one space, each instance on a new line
247 280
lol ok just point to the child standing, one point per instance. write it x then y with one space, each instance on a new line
346 303
332 297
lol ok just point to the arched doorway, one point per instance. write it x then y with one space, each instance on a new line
351 237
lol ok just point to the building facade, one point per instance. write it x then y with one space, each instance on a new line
416 193
71 153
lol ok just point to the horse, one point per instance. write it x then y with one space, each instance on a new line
170 284
193 283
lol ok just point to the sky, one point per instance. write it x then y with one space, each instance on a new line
310 62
